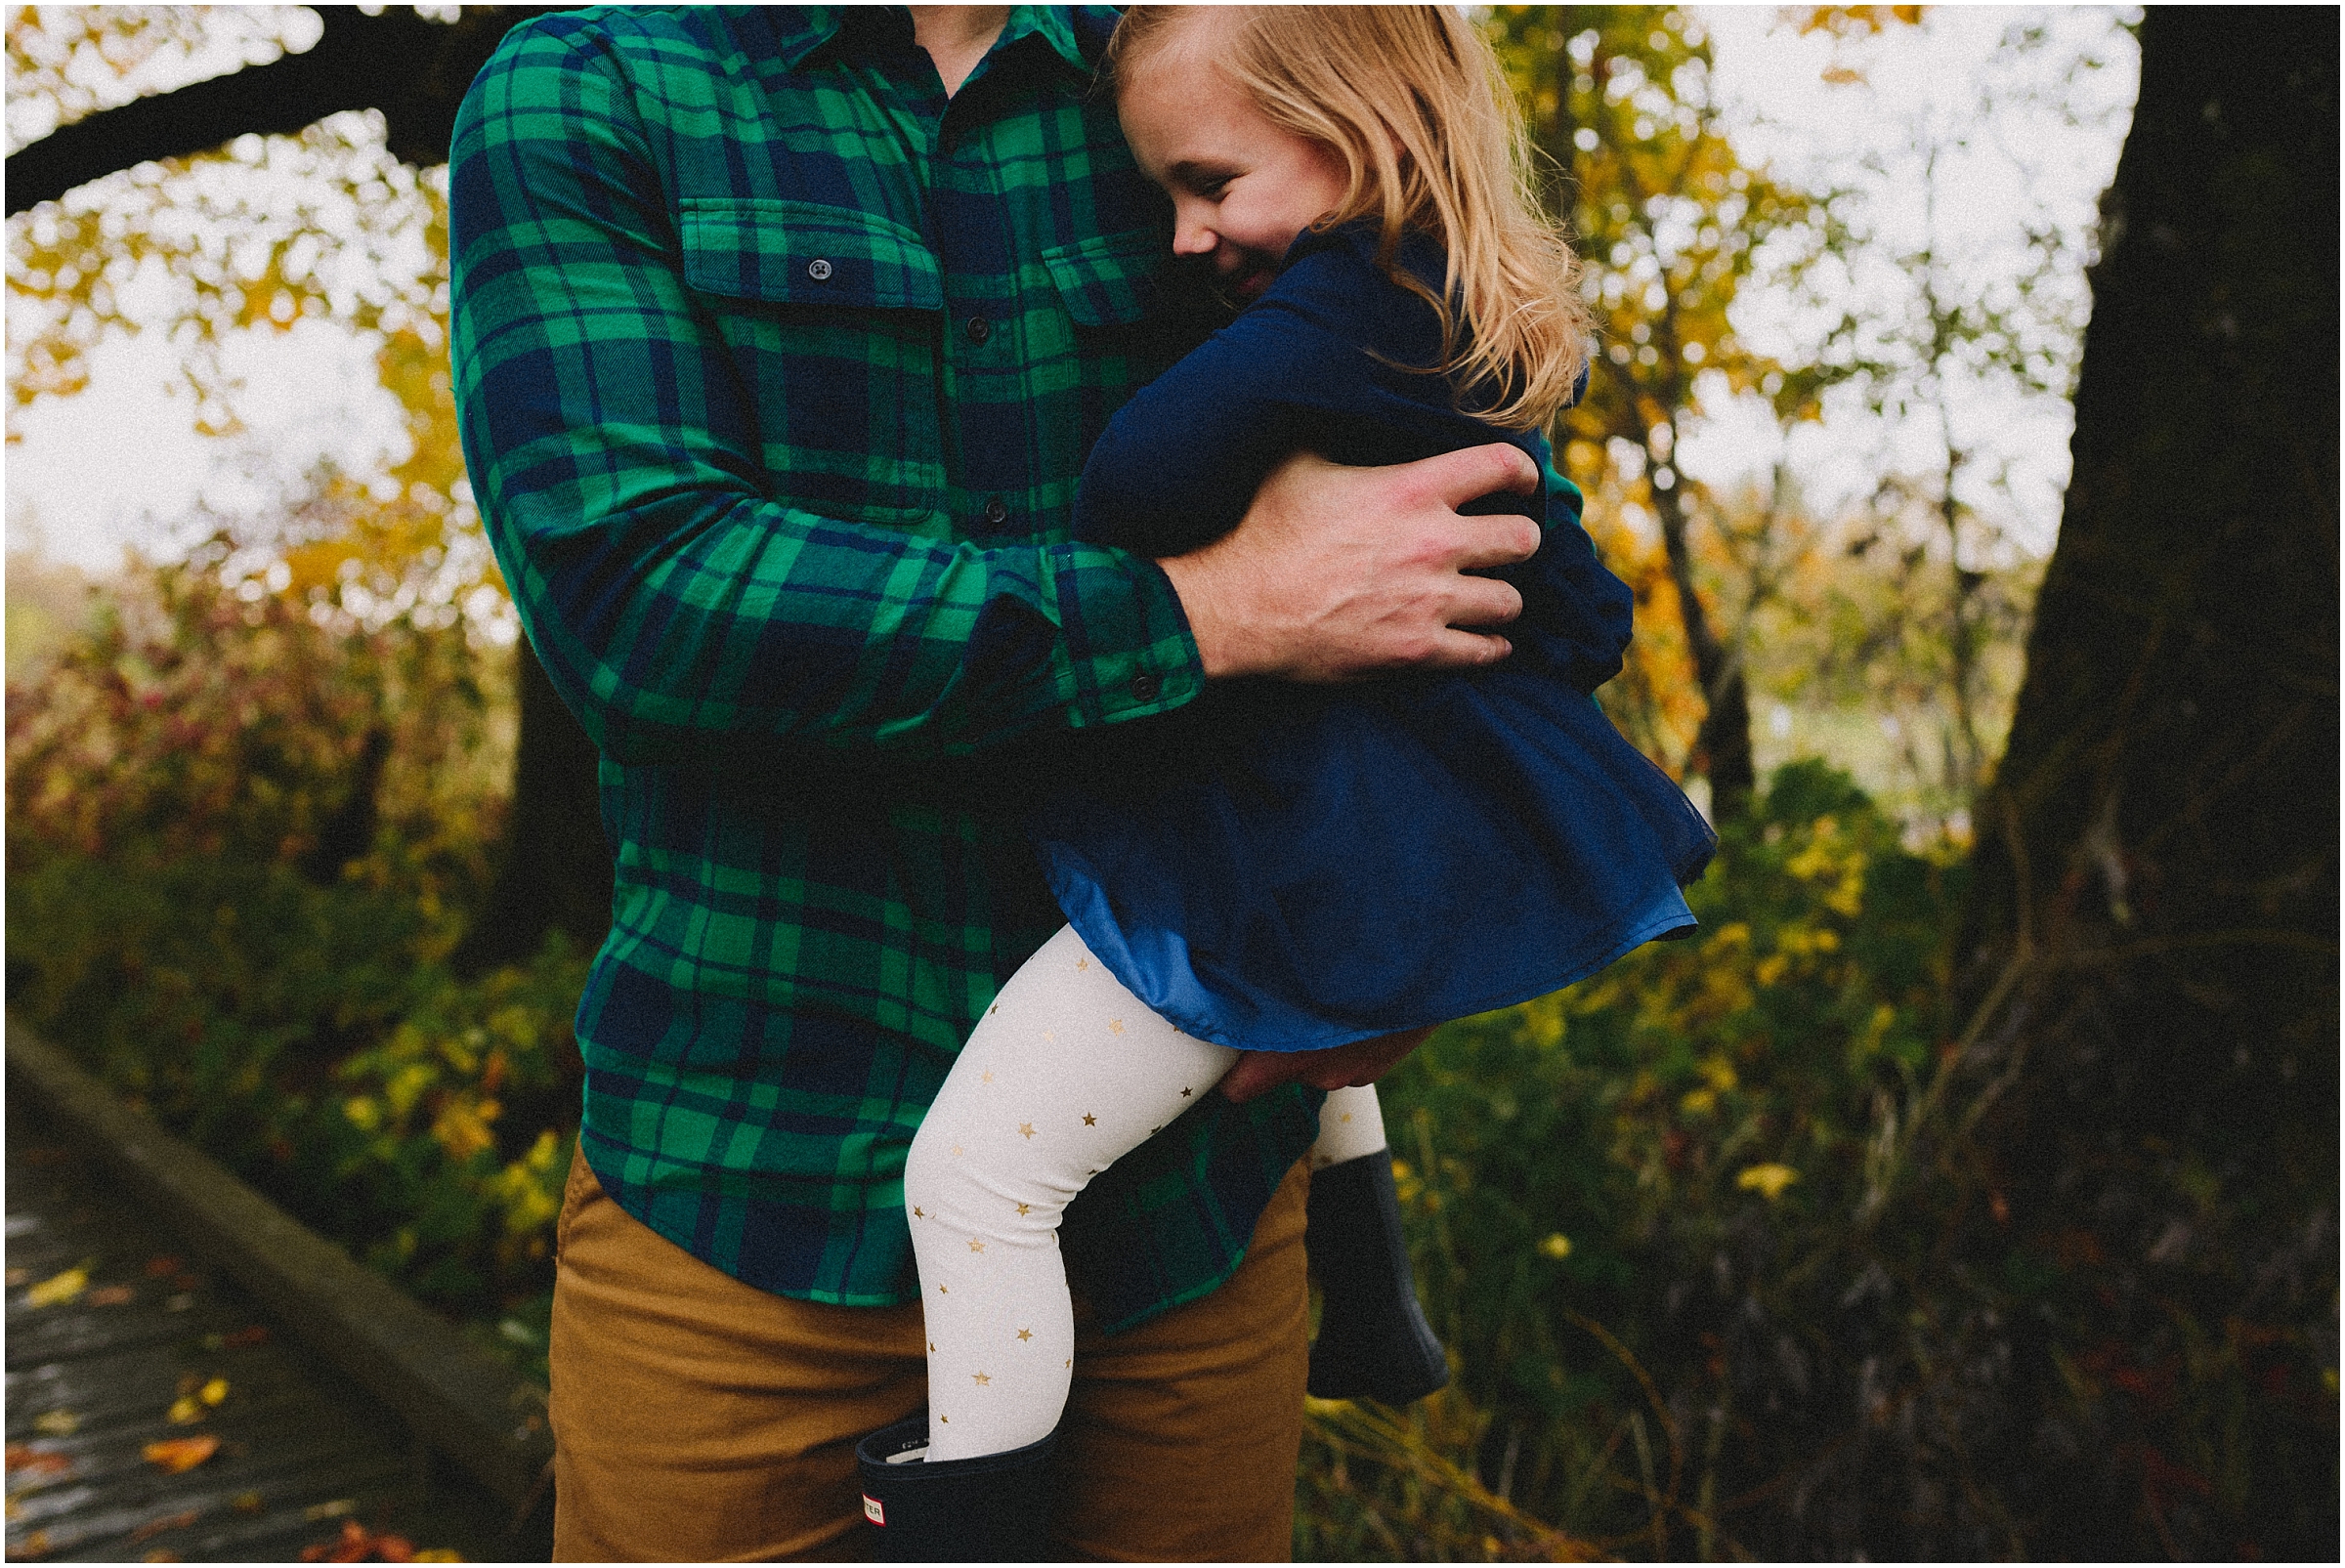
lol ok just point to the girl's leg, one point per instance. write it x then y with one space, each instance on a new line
1352 1123
1374 1341
1066 1072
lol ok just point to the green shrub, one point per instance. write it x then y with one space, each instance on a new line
1610 1188
182 917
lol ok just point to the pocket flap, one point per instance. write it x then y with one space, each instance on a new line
1108 279
804 253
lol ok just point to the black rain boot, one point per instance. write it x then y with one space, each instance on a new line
992 1509
1374 1341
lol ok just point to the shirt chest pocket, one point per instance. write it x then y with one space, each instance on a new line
1107 282
1106 337
830 316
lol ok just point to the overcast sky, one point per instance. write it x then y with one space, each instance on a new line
113 465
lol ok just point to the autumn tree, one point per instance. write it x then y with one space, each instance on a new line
1671 225
1948 330
361 241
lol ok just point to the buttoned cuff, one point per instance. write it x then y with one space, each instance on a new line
1127 648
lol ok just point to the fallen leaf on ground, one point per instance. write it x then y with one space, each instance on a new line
112 1296
243 1339
247 1502
357 1544
213 1392
56 1422
440 1554
155 1527
162 1556
178 1453
157 1267
59 1288
18 1276
327 1510
186 1411
39 1461
35 1544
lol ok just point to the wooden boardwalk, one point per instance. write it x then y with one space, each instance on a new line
299 1457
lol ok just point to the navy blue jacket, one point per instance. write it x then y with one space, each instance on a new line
1289 867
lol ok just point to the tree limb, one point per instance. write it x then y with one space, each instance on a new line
413 70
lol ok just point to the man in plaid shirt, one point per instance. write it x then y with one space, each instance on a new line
780 338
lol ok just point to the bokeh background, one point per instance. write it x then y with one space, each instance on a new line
1966 422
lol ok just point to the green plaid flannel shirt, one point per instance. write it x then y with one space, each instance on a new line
775 372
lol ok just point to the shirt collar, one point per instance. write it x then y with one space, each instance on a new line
812 27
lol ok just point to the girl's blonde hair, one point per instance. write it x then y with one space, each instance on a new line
1413 101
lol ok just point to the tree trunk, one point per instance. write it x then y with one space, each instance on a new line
1722 746
557 868
2151 947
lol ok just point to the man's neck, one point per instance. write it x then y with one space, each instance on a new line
956 38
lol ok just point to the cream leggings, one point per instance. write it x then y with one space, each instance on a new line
1066 1073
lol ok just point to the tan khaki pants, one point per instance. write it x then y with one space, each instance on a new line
700 1418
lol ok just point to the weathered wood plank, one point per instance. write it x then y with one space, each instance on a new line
455 1396
91 1380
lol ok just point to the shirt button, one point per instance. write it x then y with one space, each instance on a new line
1148 687
818 269
979 329
996 512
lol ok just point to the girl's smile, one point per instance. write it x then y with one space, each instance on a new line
1242 186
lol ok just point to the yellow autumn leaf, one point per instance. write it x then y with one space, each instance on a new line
178 1453
59 1288
1767 1180
462 1128
213 1392
1557 1245
56 1422
186 1411
439 1555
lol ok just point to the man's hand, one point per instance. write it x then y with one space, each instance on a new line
1361 1062
1342 573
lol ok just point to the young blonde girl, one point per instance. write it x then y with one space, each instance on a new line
1288 868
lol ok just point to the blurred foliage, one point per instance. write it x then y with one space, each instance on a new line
1669 224
207 709
172 781
1726 1269
1590 1177
69 62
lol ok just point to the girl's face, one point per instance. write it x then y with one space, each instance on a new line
1242 188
